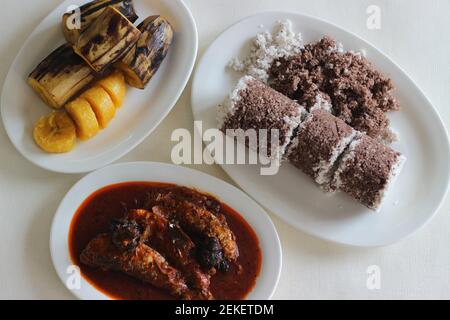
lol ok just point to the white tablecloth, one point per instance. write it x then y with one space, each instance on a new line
416 34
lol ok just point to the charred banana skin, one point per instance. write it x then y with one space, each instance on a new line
89 12
144 59
106 40
60 76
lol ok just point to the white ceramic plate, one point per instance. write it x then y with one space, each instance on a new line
159 172
143 110
414 198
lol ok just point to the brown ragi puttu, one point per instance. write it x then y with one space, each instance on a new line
367 170
254 105
319 142
359 94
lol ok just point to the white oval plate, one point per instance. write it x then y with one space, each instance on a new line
414 198
142 112
159 172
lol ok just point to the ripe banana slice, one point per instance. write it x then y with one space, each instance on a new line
102 105
84 117
115 85
55 133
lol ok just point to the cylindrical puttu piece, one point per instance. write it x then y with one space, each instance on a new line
319 142
254 105
367 170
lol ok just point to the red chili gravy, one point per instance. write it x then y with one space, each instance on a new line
94 215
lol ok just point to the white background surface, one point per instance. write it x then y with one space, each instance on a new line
415 34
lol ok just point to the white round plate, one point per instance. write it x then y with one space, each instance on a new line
414 198
143 110
159 172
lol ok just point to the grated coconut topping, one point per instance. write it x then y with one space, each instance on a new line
266 48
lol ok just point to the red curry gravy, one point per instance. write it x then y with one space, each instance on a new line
94 215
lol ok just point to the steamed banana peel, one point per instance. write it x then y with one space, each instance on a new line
76 21
60 76
144 59
106 40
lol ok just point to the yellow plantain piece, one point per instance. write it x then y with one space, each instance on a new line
115 85
102 105
84 117
55 133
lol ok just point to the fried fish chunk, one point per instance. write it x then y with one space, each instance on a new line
171 241
143 263
211 231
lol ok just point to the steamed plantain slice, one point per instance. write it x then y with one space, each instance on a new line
116 87
101 104
55 133
84 117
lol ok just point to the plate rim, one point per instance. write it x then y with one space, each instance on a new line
130 147
445 193
277 256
